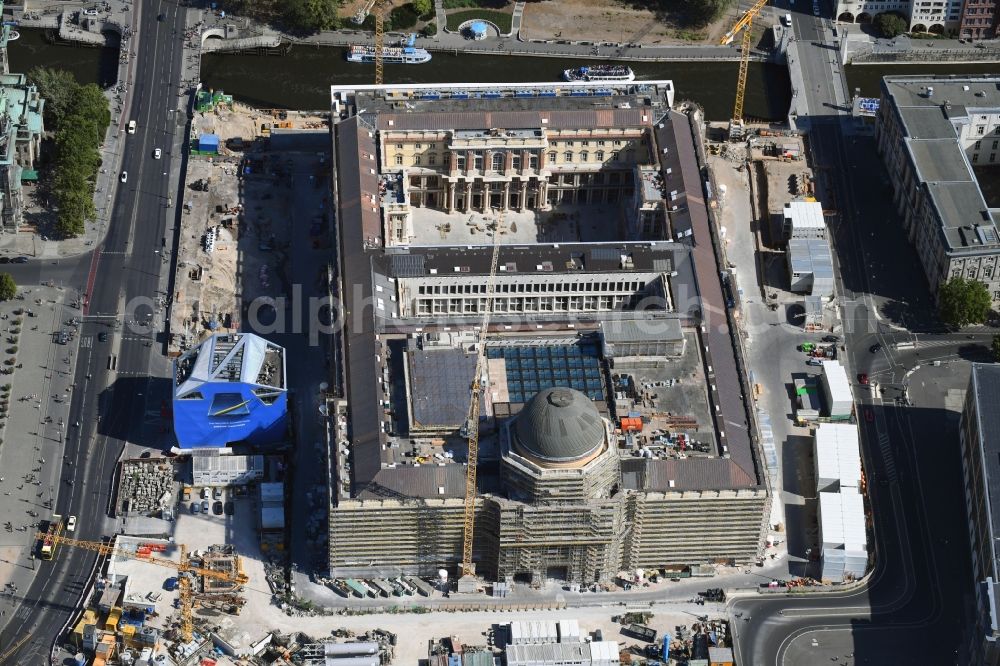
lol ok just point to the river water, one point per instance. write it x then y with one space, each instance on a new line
301 79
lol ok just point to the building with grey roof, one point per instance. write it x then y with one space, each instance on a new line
980 443
931 131
563 491
21 129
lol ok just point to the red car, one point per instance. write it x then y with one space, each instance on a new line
868 415
863 379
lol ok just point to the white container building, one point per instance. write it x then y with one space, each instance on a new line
837 457
837 390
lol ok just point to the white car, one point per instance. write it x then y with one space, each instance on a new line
156 154
124 177
90 12
71 524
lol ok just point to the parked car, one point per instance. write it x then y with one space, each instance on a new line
217 493
217 508
19 260
4 260
194 507
204 506
124 177
863 379
102 336
205 493
875 348
831 338
814 361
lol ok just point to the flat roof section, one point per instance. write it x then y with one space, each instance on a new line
439 386
805 214
838 453
940 161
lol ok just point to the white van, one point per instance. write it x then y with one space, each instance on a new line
788 20
131 127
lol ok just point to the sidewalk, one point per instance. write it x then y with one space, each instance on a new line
31 455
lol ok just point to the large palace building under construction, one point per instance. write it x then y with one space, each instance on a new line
613 431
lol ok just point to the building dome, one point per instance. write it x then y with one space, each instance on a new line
560 425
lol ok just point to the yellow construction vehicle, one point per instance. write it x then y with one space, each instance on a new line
184 567
746 25
467 583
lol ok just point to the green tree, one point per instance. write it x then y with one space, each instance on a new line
962 302
57 87
8 288
996 348
890 25
311 15
699 13
423 7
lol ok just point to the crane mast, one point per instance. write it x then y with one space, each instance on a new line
472 422
746 25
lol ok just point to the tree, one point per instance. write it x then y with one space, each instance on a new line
8 288
311 15
962 302
423 7
996 348
57 87
890 25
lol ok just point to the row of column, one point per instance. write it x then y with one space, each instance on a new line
451 192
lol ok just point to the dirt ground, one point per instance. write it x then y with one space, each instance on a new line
245 215
604 21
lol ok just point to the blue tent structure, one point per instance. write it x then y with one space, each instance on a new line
230 389
208 143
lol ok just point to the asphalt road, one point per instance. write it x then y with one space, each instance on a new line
918 598
109 406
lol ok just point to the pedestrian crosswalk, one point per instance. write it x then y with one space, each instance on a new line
887 462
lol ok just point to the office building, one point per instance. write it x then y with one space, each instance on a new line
979 437
931 132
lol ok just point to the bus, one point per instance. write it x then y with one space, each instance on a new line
49 542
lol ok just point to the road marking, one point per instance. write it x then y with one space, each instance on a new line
86 342
890 467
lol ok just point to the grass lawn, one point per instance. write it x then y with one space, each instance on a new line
475 4
500 19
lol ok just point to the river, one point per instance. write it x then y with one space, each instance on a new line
301 79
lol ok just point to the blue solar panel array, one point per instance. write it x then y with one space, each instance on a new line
533 369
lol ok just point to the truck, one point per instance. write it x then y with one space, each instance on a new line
641 632
50 540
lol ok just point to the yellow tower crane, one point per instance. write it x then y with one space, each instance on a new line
14 648
379 40
187 623
746 25
468 579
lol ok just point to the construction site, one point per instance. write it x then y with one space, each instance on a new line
235 235
572 311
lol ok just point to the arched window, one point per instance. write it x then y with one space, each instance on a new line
568 156
460 162
497 161
532 161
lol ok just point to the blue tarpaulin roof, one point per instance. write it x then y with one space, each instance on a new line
208 142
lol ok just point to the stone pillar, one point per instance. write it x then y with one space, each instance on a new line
468 196
505 200
523 200
451 197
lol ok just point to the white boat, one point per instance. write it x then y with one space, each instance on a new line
599 73
404 54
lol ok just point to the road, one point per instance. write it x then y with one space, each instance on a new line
108 406
916 603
